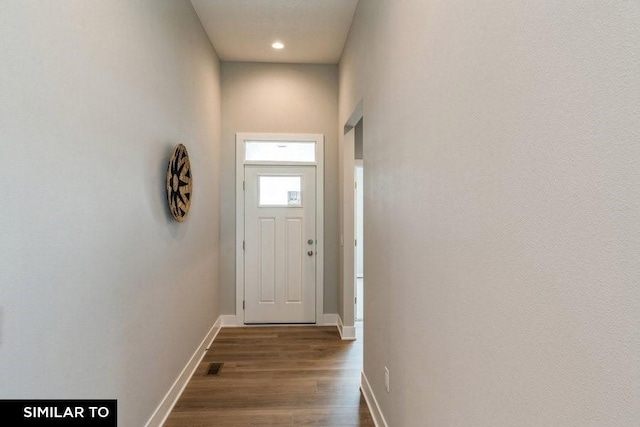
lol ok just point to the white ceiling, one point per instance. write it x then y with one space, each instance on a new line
313 31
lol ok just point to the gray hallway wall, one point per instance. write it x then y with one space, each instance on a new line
102 294
502 209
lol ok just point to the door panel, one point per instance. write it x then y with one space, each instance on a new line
294 266
279 261
267 259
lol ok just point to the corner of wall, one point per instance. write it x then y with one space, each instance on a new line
165 407
347 333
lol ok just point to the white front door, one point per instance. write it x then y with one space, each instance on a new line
280 244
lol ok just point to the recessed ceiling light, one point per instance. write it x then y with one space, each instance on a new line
277 45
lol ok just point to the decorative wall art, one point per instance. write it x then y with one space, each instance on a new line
179 183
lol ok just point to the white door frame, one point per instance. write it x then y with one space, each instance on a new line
359 230
319 164
346 159
359 234
348 234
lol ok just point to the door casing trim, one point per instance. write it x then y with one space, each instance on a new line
241 137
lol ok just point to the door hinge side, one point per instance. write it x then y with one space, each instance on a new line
243 304
243 245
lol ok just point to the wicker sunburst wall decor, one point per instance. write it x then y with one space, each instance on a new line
179 183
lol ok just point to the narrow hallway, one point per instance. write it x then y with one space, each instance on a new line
276 376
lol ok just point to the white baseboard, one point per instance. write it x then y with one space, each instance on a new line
330 319
168 402
347 333
230 321
372 403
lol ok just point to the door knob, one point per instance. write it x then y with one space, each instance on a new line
310 253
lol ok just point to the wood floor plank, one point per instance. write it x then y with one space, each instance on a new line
276 376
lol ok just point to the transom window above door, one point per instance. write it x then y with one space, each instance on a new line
280 151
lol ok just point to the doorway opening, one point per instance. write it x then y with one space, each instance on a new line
352 302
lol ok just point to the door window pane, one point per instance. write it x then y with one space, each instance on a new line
280 191
285 151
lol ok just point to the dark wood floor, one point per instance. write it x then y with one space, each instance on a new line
276 376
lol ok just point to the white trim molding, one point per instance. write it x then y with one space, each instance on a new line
241 137
230 321
347 250
167 403
347 333
330 319
233 321
372 402
346 216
